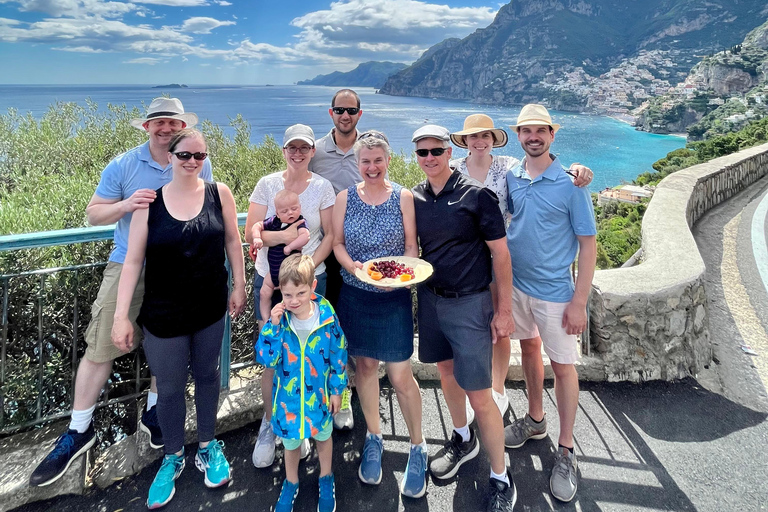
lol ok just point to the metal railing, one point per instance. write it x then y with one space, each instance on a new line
44 325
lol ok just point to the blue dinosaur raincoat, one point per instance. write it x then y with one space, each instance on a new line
304 375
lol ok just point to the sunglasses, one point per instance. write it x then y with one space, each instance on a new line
303 150
373 135
186 155
349 110
434 151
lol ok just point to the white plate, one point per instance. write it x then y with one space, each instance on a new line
421 270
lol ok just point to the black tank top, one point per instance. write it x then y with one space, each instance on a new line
185 281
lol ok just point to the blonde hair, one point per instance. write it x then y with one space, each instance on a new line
298 269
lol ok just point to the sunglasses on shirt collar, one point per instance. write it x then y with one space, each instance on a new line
186 155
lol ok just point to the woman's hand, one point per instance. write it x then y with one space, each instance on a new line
237 301
122 334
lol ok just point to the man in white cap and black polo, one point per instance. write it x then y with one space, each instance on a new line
127 184
548 307
461 233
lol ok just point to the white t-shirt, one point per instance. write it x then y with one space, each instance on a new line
303 328
317 196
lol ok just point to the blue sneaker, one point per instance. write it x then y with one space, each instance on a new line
163 487
68 447
370 465
211 461
287 496
327 500
414 483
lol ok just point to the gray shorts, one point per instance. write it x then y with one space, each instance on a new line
458 329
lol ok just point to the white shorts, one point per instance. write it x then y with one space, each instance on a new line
535 317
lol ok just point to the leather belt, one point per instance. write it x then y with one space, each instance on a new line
448 294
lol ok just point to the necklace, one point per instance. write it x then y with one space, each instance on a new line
374 202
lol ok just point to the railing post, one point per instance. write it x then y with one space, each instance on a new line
6 284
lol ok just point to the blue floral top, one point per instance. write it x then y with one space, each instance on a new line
372 231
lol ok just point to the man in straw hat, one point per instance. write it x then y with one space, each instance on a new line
461 233
547 305
128 183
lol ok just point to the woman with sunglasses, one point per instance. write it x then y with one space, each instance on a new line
181 240
479 137
316 197
376 219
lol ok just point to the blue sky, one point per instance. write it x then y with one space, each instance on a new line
218 41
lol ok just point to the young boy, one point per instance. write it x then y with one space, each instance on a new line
288 209
304 343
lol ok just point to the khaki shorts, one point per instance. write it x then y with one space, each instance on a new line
98 336
536 317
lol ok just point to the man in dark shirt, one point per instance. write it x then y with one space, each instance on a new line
461 233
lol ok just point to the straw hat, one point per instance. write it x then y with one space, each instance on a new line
166 108
477 123
533 114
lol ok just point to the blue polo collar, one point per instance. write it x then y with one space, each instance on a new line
146 156
551 173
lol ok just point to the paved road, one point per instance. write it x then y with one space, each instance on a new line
684 446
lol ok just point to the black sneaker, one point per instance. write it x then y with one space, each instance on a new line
151 427
447 461
68 447
502 496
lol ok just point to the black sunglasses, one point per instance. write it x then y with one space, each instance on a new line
373 135
186 155
435 152
349 110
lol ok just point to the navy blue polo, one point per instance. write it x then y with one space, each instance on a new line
453 227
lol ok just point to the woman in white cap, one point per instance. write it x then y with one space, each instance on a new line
479 137
317 197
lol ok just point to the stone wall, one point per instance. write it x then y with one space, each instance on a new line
650 321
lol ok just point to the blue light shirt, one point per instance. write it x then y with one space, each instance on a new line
125 174
548 213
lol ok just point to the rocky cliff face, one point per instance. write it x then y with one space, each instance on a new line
531 42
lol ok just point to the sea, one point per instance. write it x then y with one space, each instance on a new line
614 150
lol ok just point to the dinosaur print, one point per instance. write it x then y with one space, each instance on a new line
289 416
312 402
312 370
313 344
313 431
291 385
292 358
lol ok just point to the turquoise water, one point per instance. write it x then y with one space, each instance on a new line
614 150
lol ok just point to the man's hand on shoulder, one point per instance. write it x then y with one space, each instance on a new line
139 200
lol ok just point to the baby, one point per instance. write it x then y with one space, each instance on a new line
288 211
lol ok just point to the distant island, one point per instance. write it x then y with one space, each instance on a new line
171 86
367 74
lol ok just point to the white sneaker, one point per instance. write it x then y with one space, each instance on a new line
264 450
502 401
304 449
470 413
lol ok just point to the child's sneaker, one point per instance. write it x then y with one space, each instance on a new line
163 486
287 496
211 461
264 450
327 500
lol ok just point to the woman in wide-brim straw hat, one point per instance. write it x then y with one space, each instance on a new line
479 136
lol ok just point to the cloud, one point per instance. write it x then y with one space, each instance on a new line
202 25
174 3
223 2
402 29
79 49
59 8
151 61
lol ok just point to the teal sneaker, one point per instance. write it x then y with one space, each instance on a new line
211 461
287 496
327 501
163 488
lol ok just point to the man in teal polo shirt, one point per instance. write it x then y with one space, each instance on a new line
128 183
551 221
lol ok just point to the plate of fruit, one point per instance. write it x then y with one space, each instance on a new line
394 271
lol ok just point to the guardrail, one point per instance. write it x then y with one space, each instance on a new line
44 356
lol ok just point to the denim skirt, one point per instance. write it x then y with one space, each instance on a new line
378 325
